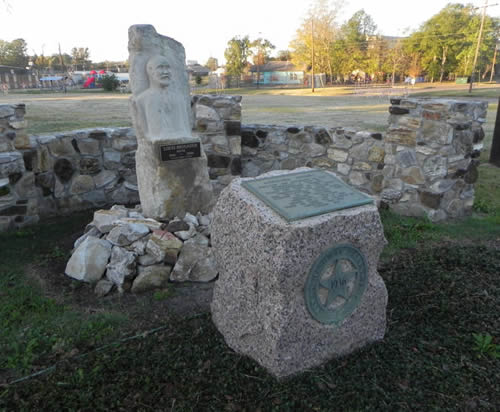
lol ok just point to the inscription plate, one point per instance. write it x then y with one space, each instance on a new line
179 151
304 194
335 284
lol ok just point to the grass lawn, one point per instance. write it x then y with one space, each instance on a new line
49 112
479 92
444 296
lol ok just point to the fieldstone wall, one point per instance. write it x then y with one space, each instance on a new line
72 171
218 124
432 154
425 164
82 169
18 197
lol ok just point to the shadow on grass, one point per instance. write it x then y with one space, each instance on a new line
33 327
438 297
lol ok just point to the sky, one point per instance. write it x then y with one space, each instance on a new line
203 27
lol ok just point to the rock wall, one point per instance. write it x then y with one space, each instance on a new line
425 164
218 124
82 169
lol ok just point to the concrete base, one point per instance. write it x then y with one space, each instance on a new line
259 303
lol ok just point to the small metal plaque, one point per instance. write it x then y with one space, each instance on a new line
335 284
304 194
179 151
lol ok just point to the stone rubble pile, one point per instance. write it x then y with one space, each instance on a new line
123 249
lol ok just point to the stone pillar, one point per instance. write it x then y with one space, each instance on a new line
292 295
218 124
432 149
18 197
172 172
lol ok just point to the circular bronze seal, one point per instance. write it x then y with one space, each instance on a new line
336 283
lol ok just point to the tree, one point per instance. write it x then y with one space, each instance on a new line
236 54
260 49
81 57
358 29
39 61
109 82
283 55
212 63
59 62
445 43
397 60
14 53
443 37
319 28
357 34
377 52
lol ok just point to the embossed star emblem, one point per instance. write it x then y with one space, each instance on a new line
338 283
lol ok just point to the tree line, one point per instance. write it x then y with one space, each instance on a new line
442 48
15 54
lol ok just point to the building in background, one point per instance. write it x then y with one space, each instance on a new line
276 73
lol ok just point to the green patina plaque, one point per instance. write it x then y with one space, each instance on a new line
300 195
335 284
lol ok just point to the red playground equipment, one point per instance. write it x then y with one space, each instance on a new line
89 83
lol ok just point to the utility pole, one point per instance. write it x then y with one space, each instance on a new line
259 44
497 46
61 60
312 55
477 46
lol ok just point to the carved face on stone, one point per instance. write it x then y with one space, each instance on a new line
158 71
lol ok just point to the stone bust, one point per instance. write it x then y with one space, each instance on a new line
161 111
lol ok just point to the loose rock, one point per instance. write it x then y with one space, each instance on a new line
196 264
89 260
93 231
187 234
105 220
124 235
121 266
103 287
189 218
177 225
151 277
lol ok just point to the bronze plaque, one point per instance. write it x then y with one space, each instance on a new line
336 283
301 195
179 151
